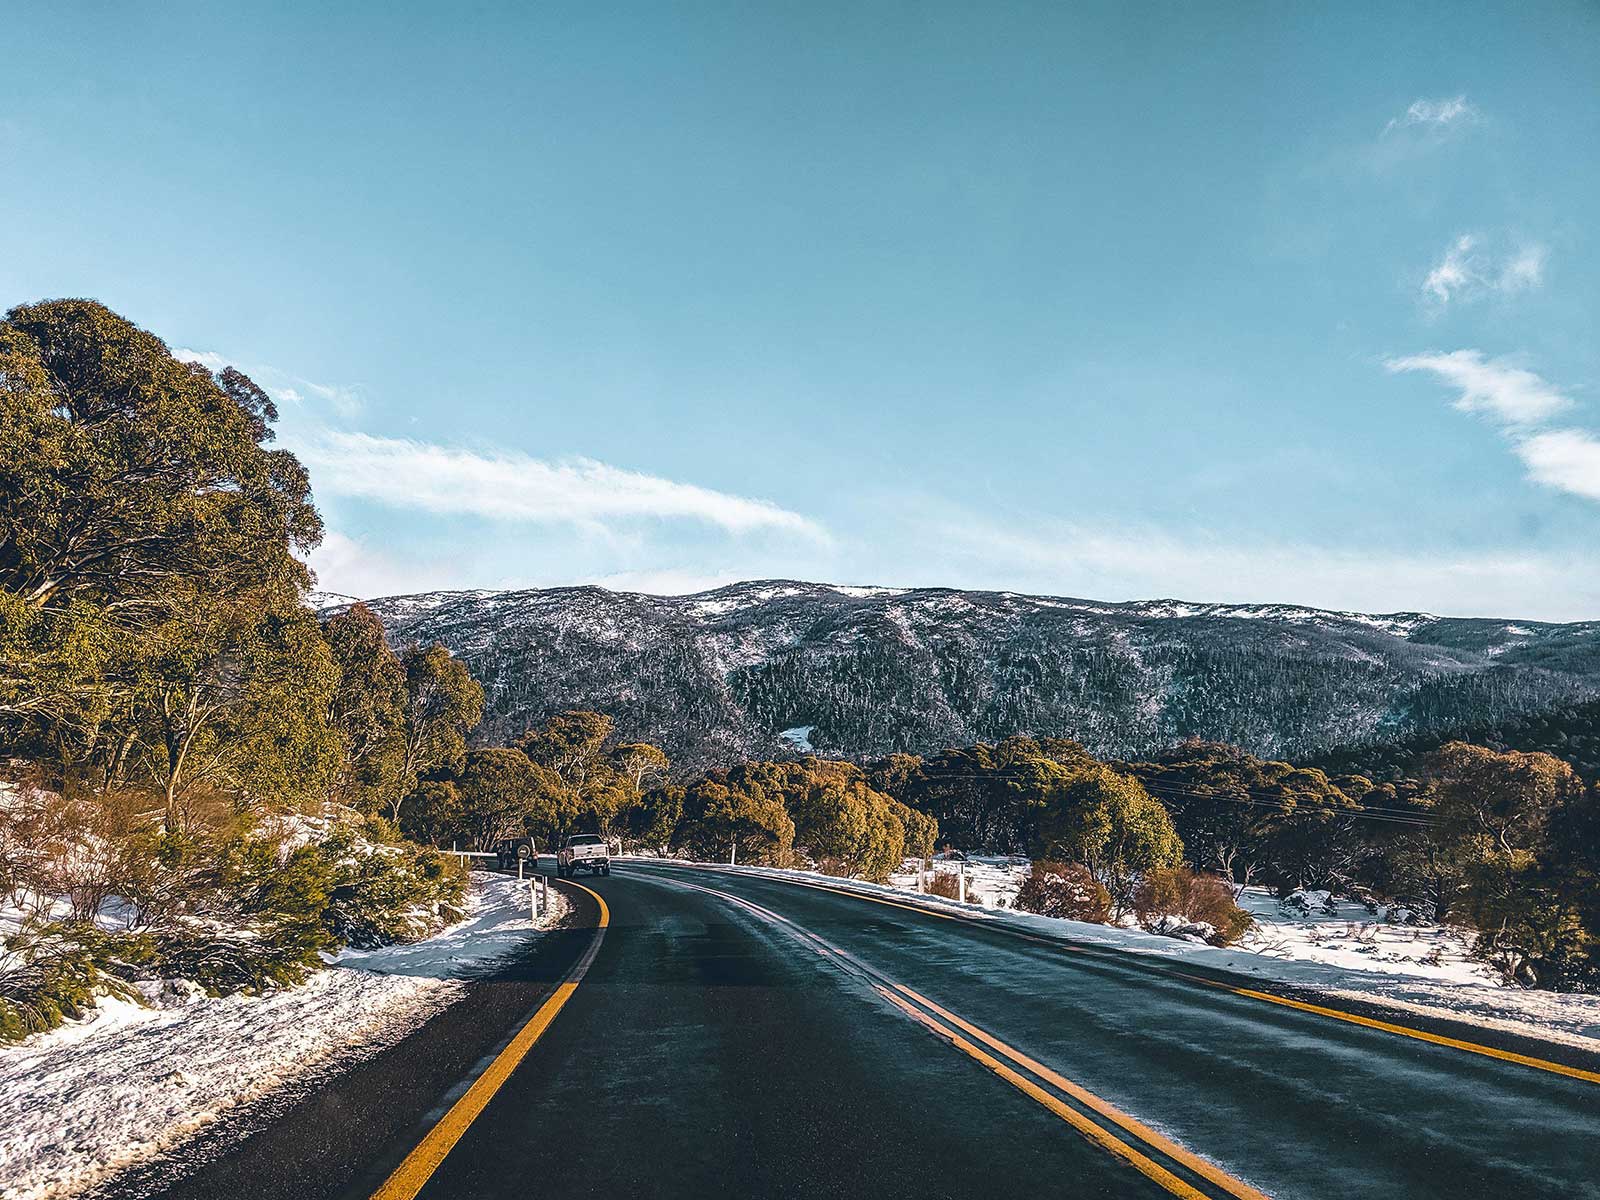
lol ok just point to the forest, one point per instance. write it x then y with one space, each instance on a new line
202 779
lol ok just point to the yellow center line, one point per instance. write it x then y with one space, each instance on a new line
418 1167
1145 1165
887 988
1105 1108
1421 1035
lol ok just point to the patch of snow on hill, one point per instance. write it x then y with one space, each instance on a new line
318 601
861 593
799 737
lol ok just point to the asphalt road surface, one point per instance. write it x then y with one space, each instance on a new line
738 1036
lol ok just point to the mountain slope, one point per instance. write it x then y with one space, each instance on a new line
721 674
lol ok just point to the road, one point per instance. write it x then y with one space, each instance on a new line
744 1036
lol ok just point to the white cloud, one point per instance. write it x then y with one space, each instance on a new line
1468 270
1150 563
1453 272
209 359
349 566
511 486
1435 114
1523 270
1567 460
344 400
1491 386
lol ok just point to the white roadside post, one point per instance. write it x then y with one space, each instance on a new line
733 852
544 895
961 886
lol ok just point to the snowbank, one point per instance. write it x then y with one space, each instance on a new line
84 1100
1343 951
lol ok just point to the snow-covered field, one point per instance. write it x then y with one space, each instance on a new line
131 1080
1343 951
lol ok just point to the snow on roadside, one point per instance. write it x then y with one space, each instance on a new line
1328 952
129 1081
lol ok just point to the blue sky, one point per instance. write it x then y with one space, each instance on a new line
1218 302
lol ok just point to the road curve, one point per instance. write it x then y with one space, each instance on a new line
742 1035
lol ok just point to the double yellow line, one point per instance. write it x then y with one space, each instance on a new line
946 1025
1321 1010
1118 1133
418 1167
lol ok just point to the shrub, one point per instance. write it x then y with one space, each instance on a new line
1067 890
385 893
225 961
54 971
946 884
1179 900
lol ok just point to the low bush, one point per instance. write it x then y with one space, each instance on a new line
54 971
240 909
946 884
1066 890
385 893
1180 901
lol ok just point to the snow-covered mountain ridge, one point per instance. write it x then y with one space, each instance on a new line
721 674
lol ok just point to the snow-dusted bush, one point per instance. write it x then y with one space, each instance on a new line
1308 902
1068 890
384 892
1183 903
245 909
56 971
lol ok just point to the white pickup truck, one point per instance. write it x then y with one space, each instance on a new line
586 850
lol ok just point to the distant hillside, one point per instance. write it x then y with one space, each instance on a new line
864 671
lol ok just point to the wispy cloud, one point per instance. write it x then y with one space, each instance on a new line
1468 270
1135 563
1494 387
1567 460
1453 272
511 486
345 401
209 359
1435 114
351 566
1523 270
1521 403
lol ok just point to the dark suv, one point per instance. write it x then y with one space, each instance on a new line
509 850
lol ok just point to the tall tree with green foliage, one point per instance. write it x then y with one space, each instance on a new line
150 625
498 795
1110 824
597 780
368 710
444 703
227 697
123 470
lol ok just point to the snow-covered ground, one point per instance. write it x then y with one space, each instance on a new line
1343 951
131 1080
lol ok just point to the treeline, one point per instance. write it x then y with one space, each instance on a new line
1505 842
196 772
1568 731
572 773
